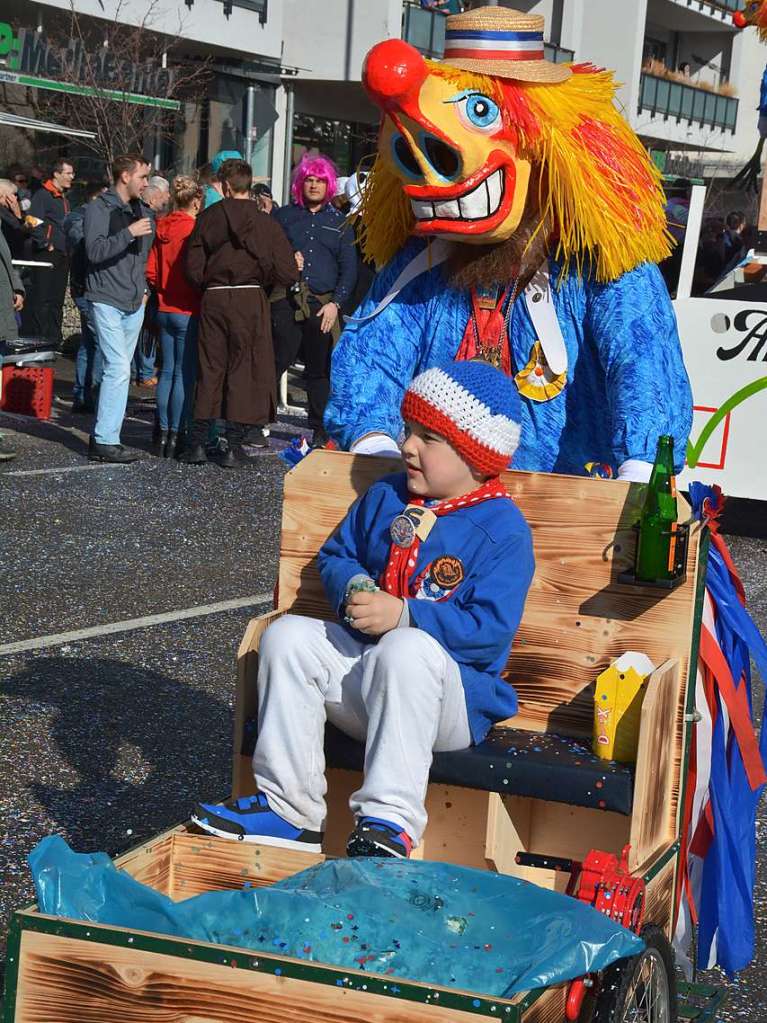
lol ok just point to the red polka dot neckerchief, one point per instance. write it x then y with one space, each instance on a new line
403 557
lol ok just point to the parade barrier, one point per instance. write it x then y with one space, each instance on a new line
531 801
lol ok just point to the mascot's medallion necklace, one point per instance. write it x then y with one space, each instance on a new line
491 344
486 335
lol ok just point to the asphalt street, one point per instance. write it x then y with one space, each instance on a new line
111 739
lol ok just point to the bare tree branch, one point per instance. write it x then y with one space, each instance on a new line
112 57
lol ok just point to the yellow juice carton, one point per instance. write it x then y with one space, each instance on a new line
618 699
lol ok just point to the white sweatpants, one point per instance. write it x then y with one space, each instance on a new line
402 697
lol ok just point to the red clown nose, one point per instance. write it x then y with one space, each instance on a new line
393 71
739 19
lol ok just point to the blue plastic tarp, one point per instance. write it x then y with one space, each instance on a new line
431 922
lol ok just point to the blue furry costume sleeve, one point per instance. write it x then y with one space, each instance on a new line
626 381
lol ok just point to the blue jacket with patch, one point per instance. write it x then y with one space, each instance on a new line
626 381
476 621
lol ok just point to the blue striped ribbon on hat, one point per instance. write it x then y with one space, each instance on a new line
500 45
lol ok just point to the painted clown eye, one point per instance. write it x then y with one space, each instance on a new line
479 112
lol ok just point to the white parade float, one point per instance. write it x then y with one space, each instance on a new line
724 340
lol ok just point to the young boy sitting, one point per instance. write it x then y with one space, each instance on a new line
415 668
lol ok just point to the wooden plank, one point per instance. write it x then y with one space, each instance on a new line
455 832
457 826
509 824
243 782
65 980
549 1008
246 698
150 863
203 863
659 901
653 822
578 618
571 831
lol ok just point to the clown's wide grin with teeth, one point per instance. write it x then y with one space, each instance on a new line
455 154
477 203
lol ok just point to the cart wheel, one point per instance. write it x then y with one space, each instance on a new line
641 989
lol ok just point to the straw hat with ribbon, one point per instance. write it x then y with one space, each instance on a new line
500 42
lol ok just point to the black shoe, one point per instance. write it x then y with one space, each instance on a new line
171 444
230 458
376 837
110 453
81 408
319 439
159 440
183 441
194 454
257 438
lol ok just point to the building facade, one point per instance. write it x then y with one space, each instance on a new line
285 74
689 79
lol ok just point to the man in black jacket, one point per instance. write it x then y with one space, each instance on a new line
48 287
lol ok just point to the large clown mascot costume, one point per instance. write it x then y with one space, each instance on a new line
514 216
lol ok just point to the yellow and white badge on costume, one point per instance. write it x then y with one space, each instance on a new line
537 381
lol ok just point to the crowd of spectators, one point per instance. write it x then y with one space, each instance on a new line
152 264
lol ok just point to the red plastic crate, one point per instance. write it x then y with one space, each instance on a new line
27 390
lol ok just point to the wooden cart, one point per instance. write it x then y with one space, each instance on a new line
530 799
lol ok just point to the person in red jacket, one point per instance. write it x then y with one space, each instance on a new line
179 307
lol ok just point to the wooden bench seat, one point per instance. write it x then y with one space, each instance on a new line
555 797
511 761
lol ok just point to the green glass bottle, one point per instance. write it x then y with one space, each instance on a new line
658 525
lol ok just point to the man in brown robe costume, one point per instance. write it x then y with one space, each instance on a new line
234 256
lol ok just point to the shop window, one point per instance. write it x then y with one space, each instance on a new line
345 142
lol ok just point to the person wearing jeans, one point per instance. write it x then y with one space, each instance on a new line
175 388
118 235
179 305
88 359
117 332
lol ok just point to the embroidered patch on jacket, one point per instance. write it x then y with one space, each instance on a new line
426 588
537 381
447 572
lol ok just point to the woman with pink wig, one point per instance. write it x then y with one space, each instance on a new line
325 253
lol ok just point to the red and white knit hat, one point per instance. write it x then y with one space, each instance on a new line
474 406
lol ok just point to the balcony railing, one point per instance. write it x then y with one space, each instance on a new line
713 7
425 29
558 54
728 5
664 98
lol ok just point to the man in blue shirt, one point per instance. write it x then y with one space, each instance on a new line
326 256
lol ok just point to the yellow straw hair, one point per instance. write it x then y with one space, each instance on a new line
599 189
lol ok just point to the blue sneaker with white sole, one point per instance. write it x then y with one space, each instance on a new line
251 819
376 837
